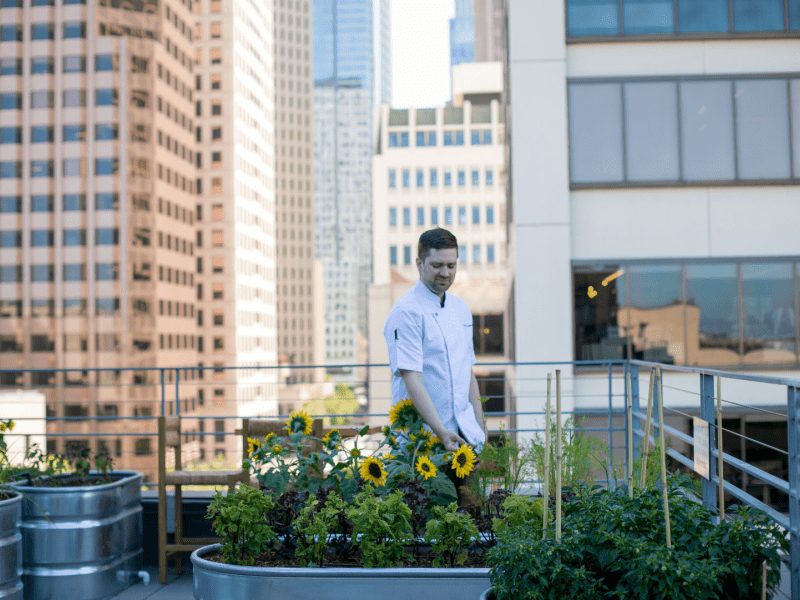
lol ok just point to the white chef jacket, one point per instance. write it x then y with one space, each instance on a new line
435 340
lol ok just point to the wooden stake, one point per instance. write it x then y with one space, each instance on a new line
546 491
720 462
663 444
646 444
558 455
630 437
764 581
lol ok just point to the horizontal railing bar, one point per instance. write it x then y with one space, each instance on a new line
724 374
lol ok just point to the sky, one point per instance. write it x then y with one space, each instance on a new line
421 52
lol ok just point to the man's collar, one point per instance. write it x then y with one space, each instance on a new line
427 297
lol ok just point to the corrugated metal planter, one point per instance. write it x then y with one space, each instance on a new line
10 547
216 581
488 594
89 545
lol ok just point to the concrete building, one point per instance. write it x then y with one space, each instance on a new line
462 34
301 327
491 37
235 210
444 167
97 211
655 181
346 76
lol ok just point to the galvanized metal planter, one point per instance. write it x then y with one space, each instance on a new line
88 545
10 547
216 581
488 594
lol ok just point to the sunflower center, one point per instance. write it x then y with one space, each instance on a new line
375 470
425 467
461 459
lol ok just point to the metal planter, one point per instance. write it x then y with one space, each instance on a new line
11 547
216 581
85 539
488 594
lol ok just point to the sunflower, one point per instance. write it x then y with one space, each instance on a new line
372 471
434 443
463 461
332 439
388 457
277 449
270 439
386 431
299 421
422 441
403 414
425 467
252 445
355 452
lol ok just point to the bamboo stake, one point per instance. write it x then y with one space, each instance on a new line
720 463
663 444
764 581
558 455
546 491
630 438
646 446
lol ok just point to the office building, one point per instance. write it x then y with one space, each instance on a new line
655 181
462 34
444 167
489 19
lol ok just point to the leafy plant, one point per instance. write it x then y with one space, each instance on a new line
239 520
314 526
519 511
380 527
501 465
448 532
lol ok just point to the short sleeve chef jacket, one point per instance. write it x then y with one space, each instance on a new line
435 340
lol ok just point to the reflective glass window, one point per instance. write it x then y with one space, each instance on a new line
420 138
420 216
74 64
758 15
10 169
10 204
420 178
74 272
104 62
106 97
10 135
392 217
476 215
74 202
598 332
106 271
654 318
489 215
10 101
73 167
74 237
459 138
392 140
10 66
489 253
434 216
406 255
431 138
42 273
406 178
476 254
448 138
448 179
462 215
41 237
462 177
489 177
762 129
74 133
404 139
794 16
448 215
712 314
42 31
106 236
42 99
407 217
105 166
647 16
462 254
476 137
42 65
434 178
651 131
595 115
392 255
41 168
74 29
708 16
41 203
768 317
42 134
795 87
105 131
106 201
707 130
10 238
592 17
392 178
476 177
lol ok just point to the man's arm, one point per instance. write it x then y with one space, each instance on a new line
477 406
424 405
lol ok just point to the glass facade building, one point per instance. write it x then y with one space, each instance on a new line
462 34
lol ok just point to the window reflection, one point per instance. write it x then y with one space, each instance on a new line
768 319
648 16
712 314
597 306
592 17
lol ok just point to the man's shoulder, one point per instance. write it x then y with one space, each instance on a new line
407 304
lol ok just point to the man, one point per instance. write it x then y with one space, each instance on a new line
429 334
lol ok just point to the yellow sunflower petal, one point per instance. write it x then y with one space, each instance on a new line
372 471
425 467
463 461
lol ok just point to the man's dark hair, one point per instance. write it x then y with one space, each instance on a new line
435 239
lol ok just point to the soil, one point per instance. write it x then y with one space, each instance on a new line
71 480
353 560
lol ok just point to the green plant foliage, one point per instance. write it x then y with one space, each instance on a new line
519 511
448 532
314 526
341 402
501 465
381 527
239 519
616 546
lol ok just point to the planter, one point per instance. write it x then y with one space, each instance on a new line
217 581
85 539
11 548
488 594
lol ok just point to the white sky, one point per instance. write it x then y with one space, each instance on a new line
421 52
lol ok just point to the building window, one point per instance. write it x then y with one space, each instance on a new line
42 273
74 63
216 133
393 140
74 272
420 138
683 132
42 65
489 215
11 135
42 238
106 166
73 167
448 179
105 62
404 139
41 31
406 178
406 217
392 178
70 133
10 238
74 29
10 66
476 254
462 255
10 204
462 178
10 101
72 202
10 169
448 215
105 97
487 334
462 215
105 131
434 215
420 216
392 255
434 178
489 177
42 99
490 253
476 215
420 178
393 217
406 255
106 236
476 177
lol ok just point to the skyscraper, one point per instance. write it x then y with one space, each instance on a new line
346 76
462 34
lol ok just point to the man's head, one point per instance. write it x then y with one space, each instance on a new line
437 260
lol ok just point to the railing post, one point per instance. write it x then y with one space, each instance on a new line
163 394
707 403
635 408
793 423
177 392
610 423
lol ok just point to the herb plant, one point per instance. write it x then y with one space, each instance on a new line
449 532
239 520
380 527
318 520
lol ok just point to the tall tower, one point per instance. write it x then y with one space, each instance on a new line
345 75
97 212
301 334
462 34
234 100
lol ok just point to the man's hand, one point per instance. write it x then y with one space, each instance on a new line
452 441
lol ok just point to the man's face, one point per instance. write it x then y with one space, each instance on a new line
438 271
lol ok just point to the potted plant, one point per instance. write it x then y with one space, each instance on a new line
81 528
614 546
10 518
332 520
